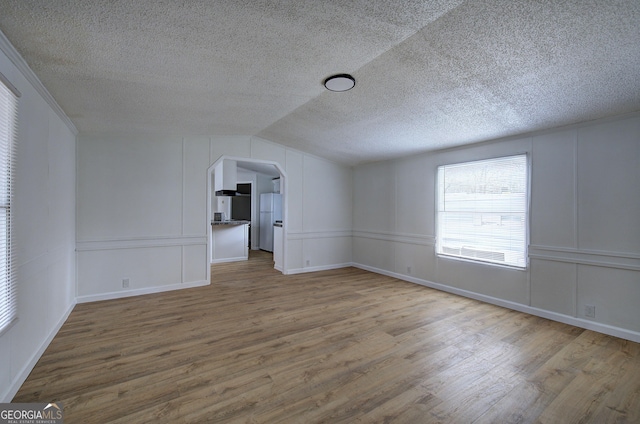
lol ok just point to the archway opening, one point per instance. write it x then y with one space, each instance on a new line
267 179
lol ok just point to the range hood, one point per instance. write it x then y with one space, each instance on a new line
226 193
226 178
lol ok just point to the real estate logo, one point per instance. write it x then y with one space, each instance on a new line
31 413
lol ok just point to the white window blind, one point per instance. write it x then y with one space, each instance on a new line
8 131
482 211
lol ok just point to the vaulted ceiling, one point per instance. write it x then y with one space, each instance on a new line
429 74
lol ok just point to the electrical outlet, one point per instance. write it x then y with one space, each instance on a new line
308 262
590 311
125 283
408 270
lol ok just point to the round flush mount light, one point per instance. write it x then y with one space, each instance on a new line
340 82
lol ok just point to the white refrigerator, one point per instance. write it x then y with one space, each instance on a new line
270 212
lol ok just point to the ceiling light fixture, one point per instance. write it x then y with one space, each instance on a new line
340 82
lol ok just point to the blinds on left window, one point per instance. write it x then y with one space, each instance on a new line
8 133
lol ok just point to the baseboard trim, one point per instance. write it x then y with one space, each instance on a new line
633 336
316 268
21 377
225 260
138 292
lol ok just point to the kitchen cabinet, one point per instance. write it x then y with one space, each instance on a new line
226 178
229 241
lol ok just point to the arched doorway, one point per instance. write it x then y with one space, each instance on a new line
247 167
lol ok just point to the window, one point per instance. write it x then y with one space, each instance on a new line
8 126
482 211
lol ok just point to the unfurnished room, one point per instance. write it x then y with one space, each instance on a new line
217 211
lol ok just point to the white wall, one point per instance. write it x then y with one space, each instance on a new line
325 237
585 237
140 214
141 211
44 208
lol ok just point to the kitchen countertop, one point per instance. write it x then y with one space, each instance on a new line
231 222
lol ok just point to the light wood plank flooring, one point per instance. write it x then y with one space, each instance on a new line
343 346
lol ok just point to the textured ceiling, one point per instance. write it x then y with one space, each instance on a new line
430 74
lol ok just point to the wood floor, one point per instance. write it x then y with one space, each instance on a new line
343 346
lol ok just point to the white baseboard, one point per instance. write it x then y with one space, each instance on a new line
21 377
316 268
633 336
224 260
138 292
